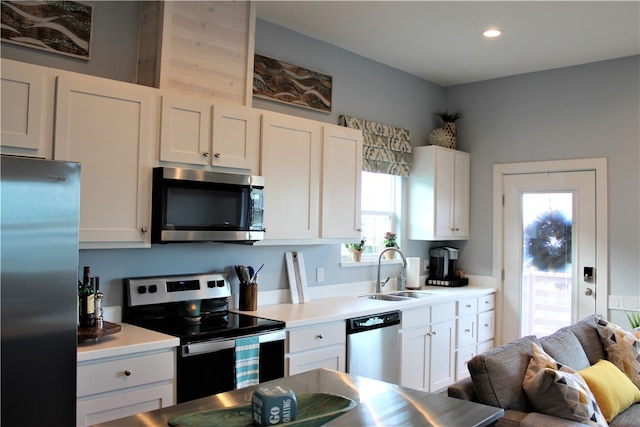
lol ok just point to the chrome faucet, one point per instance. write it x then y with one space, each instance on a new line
379 284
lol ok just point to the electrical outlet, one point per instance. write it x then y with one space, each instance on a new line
425 267
320 274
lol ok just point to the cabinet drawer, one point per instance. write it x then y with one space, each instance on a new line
417 317
124 373
462 360
467 306
316 336
443 312
486 302
466 331
486 330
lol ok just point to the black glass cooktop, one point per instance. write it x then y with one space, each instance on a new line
170 319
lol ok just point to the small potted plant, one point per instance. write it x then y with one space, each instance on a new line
356 249
634 319
390 241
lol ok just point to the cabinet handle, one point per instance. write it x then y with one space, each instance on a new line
468 305
128 372
486 301
434 333
486 325
319 336
205 154
466 331
217 155
144 229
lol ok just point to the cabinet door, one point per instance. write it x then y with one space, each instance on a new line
236 137
107 127
444 193
27 108
461 191
185 133
329 357
341 176
290 163
442 356
414 348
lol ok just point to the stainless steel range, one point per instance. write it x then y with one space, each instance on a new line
195 308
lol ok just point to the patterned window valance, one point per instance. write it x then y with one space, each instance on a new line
386 149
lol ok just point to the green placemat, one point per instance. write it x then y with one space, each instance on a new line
314 409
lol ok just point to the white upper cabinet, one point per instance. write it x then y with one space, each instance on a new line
341 176
196 132
108 127
27 110
236 137
312 179
185 130
439 194
291 149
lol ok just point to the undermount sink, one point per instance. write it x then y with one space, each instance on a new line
385 297
411 294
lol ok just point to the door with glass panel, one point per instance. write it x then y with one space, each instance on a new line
549 251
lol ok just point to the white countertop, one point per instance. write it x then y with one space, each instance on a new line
131 339
349 306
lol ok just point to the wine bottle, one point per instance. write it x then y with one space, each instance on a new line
87 303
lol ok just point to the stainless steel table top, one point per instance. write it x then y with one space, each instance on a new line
378 404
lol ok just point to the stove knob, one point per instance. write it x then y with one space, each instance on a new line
153 289
142 289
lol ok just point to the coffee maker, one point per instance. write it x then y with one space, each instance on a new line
443 267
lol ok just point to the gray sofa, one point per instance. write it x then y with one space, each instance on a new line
497 375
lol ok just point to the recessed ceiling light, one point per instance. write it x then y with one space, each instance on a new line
492 33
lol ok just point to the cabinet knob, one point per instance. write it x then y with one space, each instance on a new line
217 155
468 305
144 229
205 154
486 325
319 336
434 333
466 331
128 372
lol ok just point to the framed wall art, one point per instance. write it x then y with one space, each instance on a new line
284 82
54 26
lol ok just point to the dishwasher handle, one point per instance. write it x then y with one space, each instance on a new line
367 323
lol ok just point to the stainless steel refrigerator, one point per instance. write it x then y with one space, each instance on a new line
38 291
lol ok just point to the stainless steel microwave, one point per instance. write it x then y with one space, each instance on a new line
195 205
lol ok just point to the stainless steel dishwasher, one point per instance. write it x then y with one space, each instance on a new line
373 346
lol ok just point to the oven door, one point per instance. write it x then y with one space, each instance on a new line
208 367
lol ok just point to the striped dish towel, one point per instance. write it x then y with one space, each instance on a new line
247 361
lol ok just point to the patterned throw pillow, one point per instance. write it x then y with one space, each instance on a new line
560 391
622 348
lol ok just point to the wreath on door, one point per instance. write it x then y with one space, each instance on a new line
548 241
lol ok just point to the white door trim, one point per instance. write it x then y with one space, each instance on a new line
599 165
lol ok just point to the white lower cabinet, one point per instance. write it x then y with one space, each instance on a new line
475 330
427 340
116 387
317 346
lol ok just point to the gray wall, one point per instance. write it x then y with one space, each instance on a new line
584 111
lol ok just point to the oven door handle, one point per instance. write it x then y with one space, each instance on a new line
213 346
